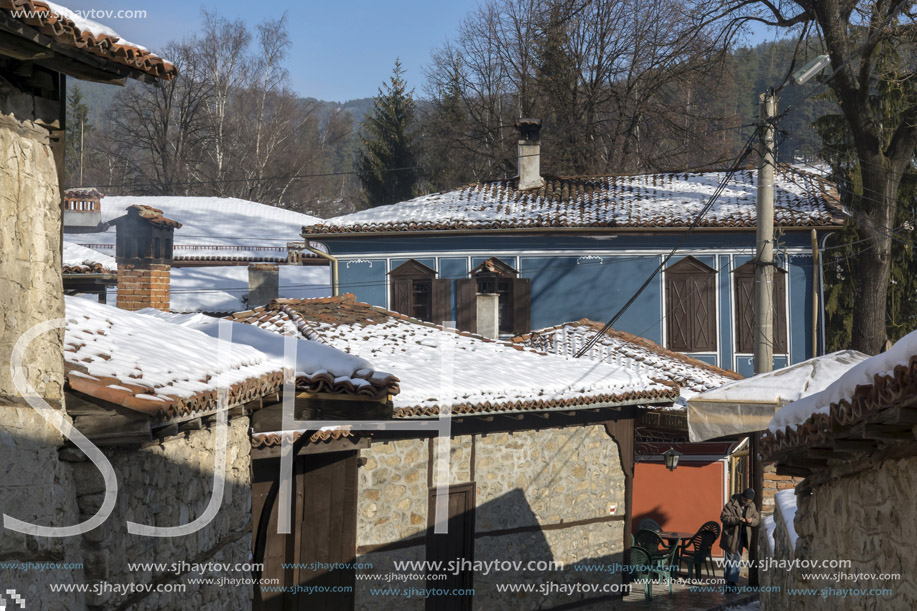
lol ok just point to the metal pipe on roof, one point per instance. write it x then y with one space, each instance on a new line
334 265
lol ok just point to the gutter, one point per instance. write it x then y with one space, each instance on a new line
524 231
821 291
334 265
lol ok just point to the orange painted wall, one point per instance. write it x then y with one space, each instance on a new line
682 499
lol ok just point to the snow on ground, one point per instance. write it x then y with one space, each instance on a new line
785 500
105 341
223 288
844 384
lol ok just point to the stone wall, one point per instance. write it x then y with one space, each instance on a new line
169 483
870 519
540 496
35 485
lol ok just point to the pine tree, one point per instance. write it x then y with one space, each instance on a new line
78 130
386 163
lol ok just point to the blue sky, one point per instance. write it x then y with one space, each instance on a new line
342 49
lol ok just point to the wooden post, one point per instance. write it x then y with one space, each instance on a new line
757 477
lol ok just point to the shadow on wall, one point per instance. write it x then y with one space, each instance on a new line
656 514
512 549
165 484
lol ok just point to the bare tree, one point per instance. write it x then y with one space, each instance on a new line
860 37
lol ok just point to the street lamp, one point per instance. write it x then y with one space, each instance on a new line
671 457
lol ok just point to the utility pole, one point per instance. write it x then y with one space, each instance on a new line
764 243
764 293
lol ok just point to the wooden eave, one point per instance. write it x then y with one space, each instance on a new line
888 434
547 231
24 43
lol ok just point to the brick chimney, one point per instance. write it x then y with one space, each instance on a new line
263 283
143 251
529 154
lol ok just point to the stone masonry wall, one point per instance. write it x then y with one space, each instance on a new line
870 519
773 484
169 483
34 485
526 482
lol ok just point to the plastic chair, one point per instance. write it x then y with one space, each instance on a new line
641 570
651 542
702 542
649 524
713 527
645 568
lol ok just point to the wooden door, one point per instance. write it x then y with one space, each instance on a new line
455 545
324 518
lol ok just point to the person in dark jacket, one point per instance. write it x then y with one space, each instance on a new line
739 516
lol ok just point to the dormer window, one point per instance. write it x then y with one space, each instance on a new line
417 292
495 277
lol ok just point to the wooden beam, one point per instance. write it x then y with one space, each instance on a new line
855 445
21 49
114 429
191 425
883 432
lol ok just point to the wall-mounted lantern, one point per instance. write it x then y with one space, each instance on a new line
671 457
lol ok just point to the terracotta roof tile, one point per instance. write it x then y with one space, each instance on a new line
670 200
90 37
515 378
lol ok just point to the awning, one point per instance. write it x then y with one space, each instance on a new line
748 405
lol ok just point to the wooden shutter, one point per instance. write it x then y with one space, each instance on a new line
522 305
466 304
780 346
745 310
402 297
442 301
703 312
691 307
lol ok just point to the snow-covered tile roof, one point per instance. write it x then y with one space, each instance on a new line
879 382
149 365
168 365
326 433
648 200
488 376
81 260
642 356
319 367
70 28
213 228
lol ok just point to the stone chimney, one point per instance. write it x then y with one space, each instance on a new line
529 154
263 283
82 210
143 251
488 320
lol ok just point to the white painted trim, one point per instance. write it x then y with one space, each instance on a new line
518 253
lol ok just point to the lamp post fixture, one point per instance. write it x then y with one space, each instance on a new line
671 457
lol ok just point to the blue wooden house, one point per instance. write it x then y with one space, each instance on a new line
580 247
